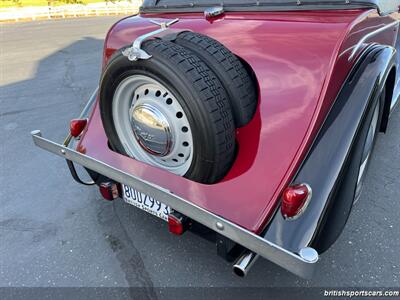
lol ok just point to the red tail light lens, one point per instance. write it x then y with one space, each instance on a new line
295 199
109 190
76 126
176 223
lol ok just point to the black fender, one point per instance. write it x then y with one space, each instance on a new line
330 165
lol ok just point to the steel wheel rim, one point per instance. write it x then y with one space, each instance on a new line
142 91
367 150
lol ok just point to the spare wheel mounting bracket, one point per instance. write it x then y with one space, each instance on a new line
135 52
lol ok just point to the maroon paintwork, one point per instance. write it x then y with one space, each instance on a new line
300 60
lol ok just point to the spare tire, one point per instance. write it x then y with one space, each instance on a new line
170 111
240 86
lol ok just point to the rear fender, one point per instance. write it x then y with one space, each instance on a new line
328 166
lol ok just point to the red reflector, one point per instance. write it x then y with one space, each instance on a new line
295 199
175 224
109 190
76 126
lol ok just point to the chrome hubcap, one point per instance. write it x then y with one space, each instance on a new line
151 129
369 144
152 125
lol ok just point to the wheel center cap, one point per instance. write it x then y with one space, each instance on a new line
151 129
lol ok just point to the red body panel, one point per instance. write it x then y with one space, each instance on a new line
300 60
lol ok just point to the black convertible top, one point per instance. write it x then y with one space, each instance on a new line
383 6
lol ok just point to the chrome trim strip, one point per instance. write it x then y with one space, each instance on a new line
290 261
88 107
369 35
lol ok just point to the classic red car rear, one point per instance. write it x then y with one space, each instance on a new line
274 156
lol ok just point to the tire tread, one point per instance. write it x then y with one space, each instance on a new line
235 78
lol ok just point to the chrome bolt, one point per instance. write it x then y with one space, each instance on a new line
219 226
62 151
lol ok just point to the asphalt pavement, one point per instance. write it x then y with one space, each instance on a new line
56 233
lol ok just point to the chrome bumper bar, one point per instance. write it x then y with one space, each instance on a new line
301 264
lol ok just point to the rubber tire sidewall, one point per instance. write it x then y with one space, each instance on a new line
341 210
381 103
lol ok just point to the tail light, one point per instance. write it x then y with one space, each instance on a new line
295 199
109 190
76 126
177 223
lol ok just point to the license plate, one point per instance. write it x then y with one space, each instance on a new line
145 202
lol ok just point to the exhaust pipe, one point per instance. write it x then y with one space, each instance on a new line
244 263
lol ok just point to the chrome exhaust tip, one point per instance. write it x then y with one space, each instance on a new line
244 263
